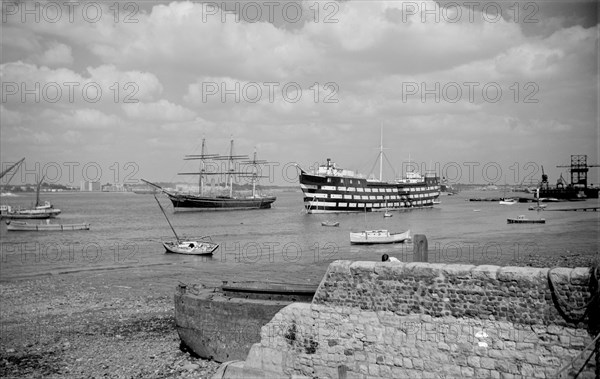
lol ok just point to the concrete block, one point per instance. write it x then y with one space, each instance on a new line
419 270
524 276
485 272
458 270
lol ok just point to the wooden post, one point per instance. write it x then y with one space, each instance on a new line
420 252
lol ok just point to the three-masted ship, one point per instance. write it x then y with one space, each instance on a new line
211 202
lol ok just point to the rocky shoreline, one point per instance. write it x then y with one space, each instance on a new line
118 323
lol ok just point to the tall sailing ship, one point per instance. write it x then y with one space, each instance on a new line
333 189
230 201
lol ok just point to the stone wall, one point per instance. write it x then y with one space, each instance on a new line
409 320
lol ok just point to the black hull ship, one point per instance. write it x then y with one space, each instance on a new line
183 202
332 189
204 202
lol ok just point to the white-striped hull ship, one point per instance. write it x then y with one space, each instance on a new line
331 190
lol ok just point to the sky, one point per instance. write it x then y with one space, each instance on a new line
479 91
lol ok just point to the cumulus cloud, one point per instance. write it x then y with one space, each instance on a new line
161 110
26 82
88 118
56 55
399 63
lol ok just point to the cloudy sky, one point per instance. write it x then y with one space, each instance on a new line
477 90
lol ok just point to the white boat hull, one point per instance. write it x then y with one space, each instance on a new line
28 227
369 237
191 247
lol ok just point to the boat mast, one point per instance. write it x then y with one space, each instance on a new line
37 195
163 211
254 176
200 188
381 154
230 170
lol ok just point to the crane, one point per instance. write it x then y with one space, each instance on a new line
579 169
544 179
10 168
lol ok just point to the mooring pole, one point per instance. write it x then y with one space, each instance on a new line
420 252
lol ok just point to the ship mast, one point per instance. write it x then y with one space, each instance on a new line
381 154
229 169
254 177
200 188
255 174
229 172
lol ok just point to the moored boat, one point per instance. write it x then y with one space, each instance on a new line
382 236
28 227
522 220
330 223
220 202
179 246
190 247
333 189
38 211
223 323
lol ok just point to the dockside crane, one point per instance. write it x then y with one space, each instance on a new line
544 179
579 169
10 168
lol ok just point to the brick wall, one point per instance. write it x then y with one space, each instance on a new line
397 320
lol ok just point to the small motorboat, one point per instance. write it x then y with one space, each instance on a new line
369 237
522 220
330 223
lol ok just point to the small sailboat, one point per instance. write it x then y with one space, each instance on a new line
538 207
39 211
387 211
180 246
506 200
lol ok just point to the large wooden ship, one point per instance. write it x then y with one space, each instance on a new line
223 201
331 189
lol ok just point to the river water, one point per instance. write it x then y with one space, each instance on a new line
126 230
